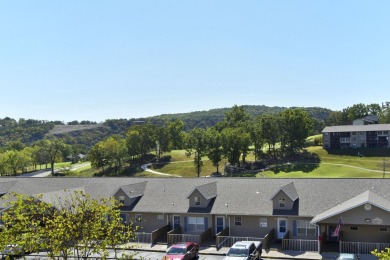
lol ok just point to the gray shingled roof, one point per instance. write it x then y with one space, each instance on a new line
236 196
208 190
134 190
356 128
359 200
60 198
289 190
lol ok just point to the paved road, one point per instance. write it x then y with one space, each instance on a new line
45 173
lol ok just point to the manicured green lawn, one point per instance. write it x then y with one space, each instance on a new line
334 166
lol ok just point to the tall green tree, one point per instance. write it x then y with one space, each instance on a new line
357 111
115 151
71 225
384 116
97 156
296 125
271 131
257 137
53 148
214 147
162 140
15 161
232 144
197 146
175 130
140 140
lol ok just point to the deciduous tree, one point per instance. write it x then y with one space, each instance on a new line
70 224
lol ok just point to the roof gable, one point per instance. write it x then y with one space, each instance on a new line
208 190
367 197
134 190
289 190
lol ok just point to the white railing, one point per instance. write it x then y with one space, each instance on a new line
301 245
228 241
176 238
141 237
361 248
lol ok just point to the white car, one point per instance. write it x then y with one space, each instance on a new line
245 250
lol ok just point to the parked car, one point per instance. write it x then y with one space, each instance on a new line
244 250
182 251
347 257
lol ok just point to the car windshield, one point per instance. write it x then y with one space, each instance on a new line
237 252
177 251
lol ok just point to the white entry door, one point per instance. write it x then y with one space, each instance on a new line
282 227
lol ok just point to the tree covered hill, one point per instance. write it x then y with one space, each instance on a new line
89 133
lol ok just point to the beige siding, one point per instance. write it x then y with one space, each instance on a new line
367 231
250 226
203 201
281 195
358 216
365 234
148 222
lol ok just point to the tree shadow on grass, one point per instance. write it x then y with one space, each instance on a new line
304 162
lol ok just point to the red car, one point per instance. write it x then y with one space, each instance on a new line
182 251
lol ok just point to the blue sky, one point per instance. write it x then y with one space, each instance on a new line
95 60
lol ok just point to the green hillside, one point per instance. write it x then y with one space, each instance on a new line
89 133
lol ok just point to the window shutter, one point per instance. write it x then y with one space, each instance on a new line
295 229
185 224
206 224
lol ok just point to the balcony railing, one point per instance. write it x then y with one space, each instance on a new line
301 245
141 237
228 241
361 248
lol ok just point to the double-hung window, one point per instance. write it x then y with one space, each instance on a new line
197 201
304 228
195 224
160 219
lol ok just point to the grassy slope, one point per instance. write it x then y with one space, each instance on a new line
331 166
336 166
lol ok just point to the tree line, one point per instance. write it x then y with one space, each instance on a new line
233 138
17 158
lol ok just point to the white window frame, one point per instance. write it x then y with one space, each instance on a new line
263 222
195 224
305 228
238 221
282 203
138 218
122 200
160 219
197 201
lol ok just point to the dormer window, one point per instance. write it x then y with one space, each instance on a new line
197 201
122 200
282 203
